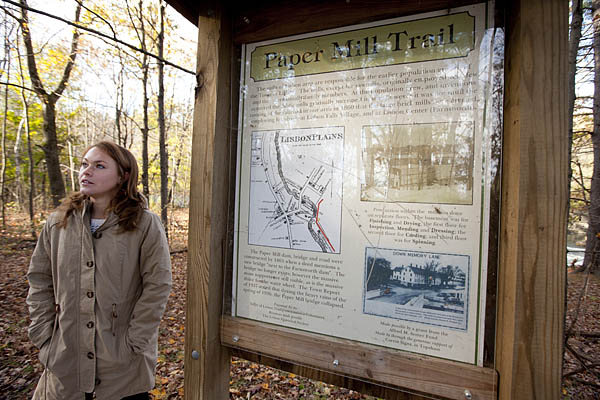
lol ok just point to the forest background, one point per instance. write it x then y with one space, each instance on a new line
74 72
120 70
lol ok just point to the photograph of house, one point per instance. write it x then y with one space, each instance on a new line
397 280
414 276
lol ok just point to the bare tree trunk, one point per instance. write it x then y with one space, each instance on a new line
87 128
141 34
164 160
51 150
3 169
574 39
31 173
43 192
18 169
591 259
118 120
119 102
71 164
145 128
7 32
29 149
177 163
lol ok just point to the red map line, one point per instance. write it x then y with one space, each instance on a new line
319 225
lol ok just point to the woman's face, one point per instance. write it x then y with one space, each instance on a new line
99 175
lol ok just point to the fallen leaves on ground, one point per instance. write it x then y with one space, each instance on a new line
20 369
250 380
586 347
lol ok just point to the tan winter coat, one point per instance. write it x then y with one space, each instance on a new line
95 303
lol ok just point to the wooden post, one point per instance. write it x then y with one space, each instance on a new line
207 376
531 275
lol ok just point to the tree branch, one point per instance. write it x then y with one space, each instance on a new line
8 12
99 16
135 28
580 357
584 382
592 335
583 131
25 7
578 199
69 67
18 86
31 65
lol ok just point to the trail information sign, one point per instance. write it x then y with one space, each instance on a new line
364 167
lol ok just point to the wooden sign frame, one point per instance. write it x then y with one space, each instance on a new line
531 275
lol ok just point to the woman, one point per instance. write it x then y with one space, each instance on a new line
99 279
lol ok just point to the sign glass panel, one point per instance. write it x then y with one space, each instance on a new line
363 183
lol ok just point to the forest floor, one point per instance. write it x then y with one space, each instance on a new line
581 362
20 369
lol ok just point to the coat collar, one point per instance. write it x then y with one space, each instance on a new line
86 215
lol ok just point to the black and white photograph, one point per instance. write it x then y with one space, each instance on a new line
417 286
418 163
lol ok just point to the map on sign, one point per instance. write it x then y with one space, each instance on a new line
296 189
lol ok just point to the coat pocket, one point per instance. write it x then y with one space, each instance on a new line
118 326
113 352
127 347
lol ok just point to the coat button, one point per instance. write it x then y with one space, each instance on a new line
90 324
90 355
97 235
97 382
90 294
90 264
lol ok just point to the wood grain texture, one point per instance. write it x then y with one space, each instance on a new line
267 19
531 279
207 378
272 19
234 90
401 369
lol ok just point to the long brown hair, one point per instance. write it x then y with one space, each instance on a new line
128 204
